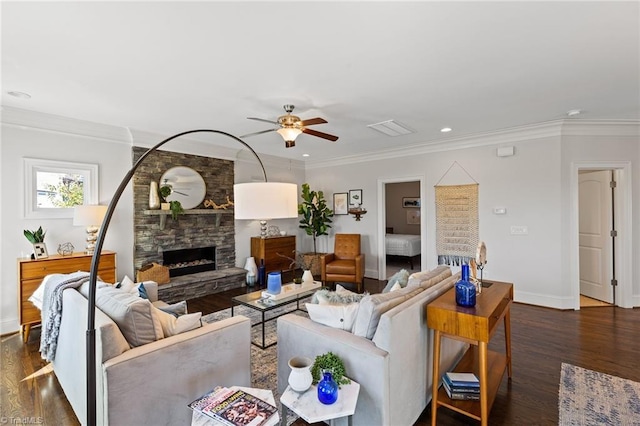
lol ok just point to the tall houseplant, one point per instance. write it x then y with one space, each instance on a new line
316 216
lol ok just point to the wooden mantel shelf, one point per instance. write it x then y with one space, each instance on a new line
164 213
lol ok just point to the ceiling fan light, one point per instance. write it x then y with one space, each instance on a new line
289 134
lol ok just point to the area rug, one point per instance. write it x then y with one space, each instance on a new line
264 362
591 398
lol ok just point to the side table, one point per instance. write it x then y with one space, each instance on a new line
307 405
474 325
199 419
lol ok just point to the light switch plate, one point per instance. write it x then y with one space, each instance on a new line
519 230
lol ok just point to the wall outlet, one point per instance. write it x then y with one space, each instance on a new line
519 230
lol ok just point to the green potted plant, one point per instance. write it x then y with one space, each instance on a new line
175 206
316 217
333 363
36 236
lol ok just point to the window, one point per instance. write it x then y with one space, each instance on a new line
53 188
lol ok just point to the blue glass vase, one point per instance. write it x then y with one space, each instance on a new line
327 389
465 290
274 283
262 275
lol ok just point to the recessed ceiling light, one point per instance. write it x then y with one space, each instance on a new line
446 129
305 155
574 112
21 95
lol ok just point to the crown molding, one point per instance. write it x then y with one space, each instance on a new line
531 132
55 123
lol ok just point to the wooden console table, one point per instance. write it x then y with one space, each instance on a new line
476 326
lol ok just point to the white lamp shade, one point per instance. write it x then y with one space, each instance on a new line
87 215
265 200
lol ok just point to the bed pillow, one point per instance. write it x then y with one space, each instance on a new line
401 277
336 316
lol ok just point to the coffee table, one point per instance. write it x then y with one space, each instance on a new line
291 293
307 405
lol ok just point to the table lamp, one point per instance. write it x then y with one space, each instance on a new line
263 201
90 216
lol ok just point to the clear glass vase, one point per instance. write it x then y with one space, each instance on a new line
327 389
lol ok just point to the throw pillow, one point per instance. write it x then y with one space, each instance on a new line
395 287
127 284
176 309
172 325
336 316
142 292
341 296
401 277
134 316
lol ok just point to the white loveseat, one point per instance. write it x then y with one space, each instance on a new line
394 368
152 383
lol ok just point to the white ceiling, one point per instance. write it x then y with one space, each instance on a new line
165 67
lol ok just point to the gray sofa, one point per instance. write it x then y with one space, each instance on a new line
394 368
154 382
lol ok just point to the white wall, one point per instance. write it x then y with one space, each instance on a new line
28 134
532 185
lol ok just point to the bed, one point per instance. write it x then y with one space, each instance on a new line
403 245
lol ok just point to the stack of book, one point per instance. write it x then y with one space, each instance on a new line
464 386
234 407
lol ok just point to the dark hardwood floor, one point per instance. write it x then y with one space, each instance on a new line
602 338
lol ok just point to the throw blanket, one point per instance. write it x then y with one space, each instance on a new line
52 309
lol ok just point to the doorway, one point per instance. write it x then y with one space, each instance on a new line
621 262
596 189
401 207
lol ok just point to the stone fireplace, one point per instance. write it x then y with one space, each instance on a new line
205 241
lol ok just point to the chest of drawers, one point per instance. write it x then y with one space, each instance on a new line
31 272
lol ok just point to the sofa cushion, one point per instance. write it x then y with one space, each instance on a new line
373 306
401 278
428 278
135 316
172 325
336 316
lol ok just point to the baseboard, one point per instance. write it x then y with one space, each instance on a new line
9 326
544 300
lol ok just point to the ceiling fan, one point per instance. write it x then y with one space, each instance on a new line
290 126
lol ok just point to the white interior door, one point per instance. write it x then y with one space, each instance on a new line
595 243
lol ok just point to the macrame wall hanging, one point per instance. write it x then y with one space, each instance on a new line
456 221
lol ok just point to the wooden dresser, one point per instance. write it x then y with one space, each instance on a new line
267 249
31 272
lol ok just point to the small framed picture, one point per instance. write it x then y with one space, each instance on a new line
40 251
413 217
340 203
411 202
355 197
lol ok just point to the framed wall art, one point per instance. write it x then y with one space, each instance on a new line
40 251
413 217
355 197
340 203
408 202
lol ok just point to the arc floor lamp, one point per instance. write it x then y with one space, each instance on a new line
284 195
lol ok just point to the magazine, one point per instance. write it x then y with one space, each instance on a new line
234 408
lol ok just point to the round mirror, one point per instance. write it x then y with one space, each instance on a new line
187 186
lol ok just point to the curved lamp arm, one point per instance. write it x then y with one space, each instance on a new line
95 260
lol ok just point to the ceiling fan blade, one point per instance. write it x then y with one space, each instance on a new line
262 119
313 121
320 134
258 133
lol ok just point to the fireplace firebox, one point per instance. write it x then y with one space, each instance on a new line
189 261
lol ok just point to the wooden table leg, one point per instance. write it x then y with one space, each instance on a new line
484 384
26 330
507 338
436 376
